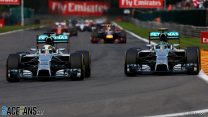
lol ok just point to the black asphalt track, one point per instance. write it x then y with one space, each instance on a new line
108 93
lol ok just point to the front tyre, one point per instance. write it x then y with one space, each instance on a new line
87 62
193 60
131 58
123 36
77 62
13 62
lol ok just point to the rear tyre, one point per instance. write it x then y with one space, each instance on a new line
13 62
193 57
94 40
131 58
77 62
87 62
124 42
75 32
94 37
123 35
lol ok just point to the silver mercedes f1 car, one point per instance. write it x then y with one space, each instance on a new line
162 57
48 62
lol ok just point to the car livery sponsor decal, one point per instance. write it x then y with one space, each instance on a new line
170 35
56 38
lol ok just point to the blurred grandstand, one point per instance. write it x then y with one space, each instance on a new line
181 11
38 8
187 4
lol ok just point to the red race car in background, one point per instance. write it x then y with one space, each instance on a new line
61 27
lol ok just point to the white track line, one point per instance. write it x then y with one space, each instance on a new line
197 113
140 38
14 31
201 75
133 34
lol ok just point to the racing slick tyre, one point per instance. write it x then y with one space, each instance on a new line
123 35
77 62
87 62
131 58
13 62
75 32
124 42
94 40
193 57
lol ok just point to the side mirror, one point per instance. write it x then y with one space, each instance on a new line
176 45
93 28
66 34
57 23
149 45
33 49
61 49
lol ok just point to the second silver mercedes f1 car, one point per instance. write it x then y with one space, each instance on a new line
162 57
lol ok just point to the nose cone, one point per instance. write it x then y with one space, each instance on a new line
82 27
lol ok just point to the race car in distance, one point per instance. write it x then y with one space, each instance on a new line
108 33
61 27
71 23
48 62
162 57
84 25
89 23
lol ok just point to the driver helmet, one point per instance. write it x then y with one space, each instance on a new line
49 41
48 49
163 37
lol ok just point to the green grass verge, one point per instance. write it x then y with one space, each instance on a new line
144 32
16 27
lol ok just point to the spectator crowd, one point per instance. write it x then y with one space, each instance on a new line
190 4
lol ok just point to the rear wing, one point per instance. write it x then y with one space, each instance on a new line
170 35
108 25
56 38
